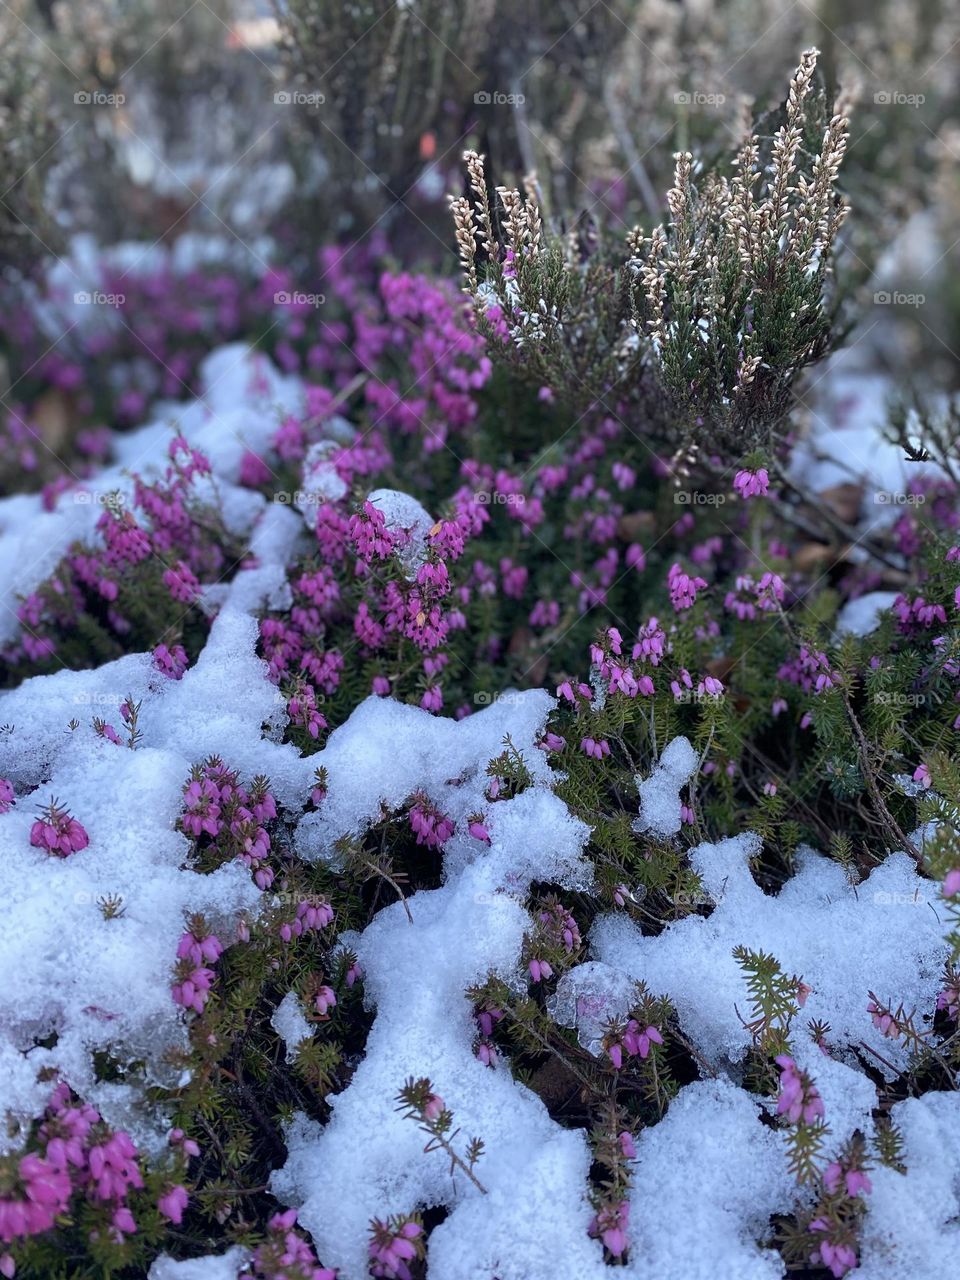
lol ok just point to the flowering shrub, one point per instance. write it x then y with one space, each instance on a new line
497 729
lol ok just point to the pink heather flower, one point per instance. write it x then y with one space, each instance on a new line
885 1022
486 1053
431 827
552 742
610 1225
177 1138
434 1107
622 680
193 991
837 1258
712 686
951 883
478 830
6 795
799 1100
57 833
201 808
122 1223
171 662
392 1249
638 1042
751 484
540 969
113 1165
650 643
949 1000
324 1001
381 686
922 775
432 699
199 950
182 583
595 748
769 788
172 1204
683 588
627 1145
635 558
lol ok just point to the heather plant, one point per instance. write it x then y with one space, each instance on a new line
566 767
712 319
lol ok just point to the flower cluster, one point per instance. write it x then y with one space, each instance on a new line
226 820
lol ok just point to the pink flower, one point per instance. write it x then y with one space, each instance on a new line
434 1107
610 1225
540 969
478 830
182 583
751 484
951 883
883 1020
799 1100
392 1248
171 662
683 588
6 795
324 1001
595 748
172 1204
57 833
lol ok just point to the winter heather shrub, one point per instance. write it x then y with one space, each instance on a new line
696 334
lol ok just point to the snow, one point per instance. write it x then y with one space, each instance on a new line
861 616
912 1227
472 926
883 935
290 1024
224 1266
402 512
101 984
660 793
